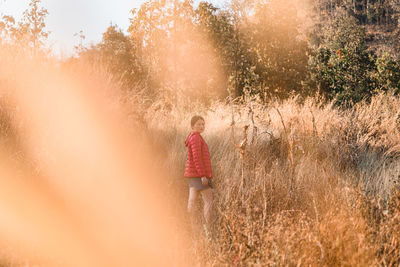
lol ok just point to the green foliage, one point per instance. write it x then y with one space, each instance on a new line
119 54
342 66
251 47
254 47
232 46
259 48
281 57
388 74
164 34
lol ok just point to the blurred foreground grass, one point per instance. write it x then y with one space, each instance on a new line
296 182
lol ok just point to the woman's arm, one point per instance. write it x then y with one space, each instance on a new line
197 156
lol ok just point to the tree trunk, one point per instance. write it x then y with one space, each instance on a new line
364 11
354 6
387 12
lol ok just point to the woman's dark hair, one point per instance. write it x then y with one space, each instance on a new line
195 119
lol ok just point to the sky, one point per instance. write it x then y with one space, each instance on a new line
68 17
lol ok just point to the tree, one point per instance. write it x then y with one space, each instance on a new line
341 66
281 56
152 28
119 54
388 74
33 24
175 49
6 27
29 33
233 57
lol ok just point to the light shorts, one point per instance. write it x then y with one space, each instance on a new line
197 184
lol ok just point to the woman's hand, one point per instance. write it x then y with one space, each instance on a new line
204 181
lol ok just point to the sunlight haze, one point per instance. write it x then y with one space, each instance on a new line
67 18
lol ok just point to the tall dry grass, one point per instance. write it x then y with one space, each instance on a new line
77 187
92 176
297 183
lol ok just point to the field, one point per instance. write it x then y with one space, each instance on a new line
297 184
92 175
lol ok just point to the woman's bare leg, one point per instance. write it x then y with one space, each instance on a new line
207 196
193 195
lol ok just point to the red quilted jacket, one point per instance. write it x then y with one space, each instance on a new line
198 160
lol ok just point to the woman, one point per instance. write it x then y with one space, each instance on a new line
198 169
